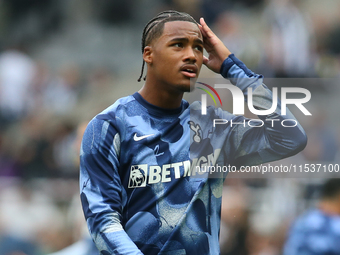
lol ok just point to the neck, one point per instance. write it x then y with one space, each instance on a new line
329 207
161 97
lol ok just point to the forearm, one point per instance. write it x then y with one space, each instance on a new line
110 236
284 134
104 222
102 193
274 136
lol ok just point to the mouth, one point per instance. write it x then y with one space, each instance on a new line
189 70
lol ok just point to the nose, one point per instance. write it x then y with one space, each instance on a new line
190 55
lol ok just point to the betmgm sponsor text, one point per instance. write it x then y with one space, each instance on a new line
144 174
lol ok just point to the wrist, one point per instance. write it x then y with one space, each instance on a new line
226 65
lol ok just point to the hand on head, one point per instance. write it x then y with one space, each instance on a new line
217 51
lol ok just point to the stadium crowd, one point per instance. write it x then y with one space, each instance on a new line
51 85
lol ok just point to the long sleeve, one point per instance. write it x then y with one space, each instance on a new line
102 193
270 140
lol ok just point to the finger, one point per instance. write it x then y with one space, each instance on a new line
202 30
205 60
206 43
207 31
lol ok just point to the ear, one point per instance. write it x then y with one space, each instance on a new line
147 54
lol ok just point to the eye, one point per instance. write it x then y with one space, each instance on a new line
199 48
179 45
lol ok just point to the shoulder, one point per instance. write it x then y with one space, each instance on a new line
105 125
308 235
116 109
310 221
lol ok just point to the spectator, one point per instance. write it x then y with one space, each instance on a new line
290 40
317 232
17 71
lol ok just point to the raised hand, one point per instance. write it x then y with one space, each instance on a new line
217 51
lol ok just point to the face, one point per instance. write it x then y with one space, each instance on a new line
176 56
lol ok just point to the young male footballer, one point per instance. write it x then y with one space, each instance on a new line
139 189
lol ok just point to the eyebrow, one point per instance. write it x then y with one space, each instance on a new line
184 39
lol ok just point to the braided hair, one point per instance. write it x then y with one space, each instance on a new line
154 28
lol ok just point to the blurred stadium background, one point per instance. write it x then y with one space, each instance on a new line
62 62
